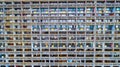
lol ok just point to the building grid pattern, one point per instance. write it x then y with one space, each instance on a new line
59 33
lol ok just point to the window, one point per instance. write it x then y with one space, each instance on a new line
2 55
27 49
11 55
80 44
62 45
9 32
19 55
2 44
8 2
117 27
45 27
10 44
99 45
28 55
36 55
90 27
109 27
89 44
19 60
53 27
27 44
71 27
19 49
1 38
99 27
116 45
71 10
109 45
35 27
80 27
63 27
11 61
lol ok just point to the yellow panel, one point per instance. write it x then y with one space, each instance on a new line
35 12
46 45
1 13
63 12
52 29
63 45
81 29
46 29
117 28
116 45
52 12
80 45
46 12
100 29
52 45
99 46
63 29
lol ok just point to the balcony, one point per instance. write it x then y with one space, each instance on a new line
109 45
111 4
35 28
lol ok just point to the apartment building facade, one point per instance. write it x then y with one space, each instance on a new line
59 33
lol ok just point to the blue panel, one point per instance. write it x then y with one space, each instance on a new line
91 27
7 65
69 60
113 28
110 27
113 10
99 15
